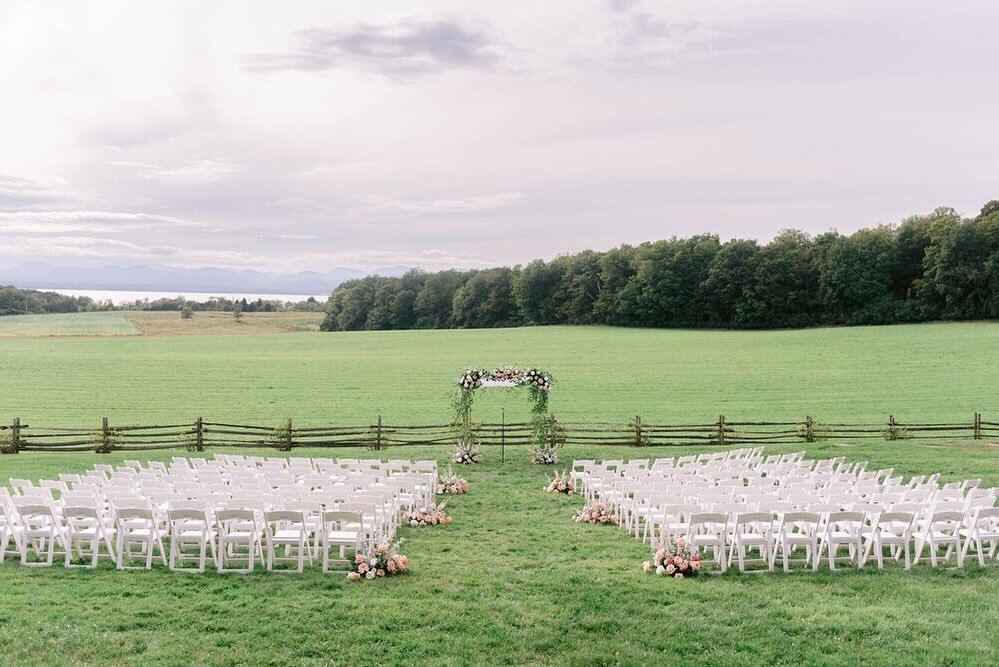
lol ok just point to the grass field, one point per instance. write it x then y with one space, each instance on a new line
67 324
919 372
512 580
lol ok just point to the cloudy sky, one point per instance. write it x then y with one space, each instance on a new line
309 135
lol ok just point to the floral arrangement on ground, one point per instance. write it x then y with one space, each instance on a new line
544 455
674 560
428 514
451 483
467 453
596 511
382 560
561 483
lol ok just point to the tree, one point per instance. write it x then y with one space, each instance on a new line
535 291
187 312
729 276
237 311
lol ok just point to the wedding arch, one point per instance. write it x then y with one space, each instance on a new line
536 381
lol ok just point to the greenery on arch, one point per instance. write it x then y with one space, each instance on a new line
538 384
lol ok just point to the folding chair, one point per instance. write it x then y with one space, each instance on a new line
752 530
841 529
136 526
983 528
85 528
190 528
942 529
237 528
893 530
285 528
41 532
343 530
709 530
797 529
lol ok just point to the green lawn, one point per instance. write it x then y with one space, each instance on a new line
66 324
512 581
919 372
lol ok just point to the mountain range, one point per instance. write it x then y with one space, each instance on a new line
160 278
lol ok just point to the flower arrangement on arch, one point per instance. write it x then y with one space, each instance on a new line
537 378
471 379
544 455
675 560
451 483
429 514
596 511
467 453
382 560
561 483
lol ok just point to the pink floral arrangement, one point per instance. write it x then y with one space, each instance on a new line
430 514
596 512
382 560
450 483
544 455
675 560
561 483
466 453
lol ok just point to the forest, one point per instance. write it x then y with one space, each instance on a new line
939 266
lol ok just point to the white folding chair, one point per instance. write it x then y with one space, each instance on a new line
41 532
190 527
983 529
85 529
797 530
892 530
137 527
286 528
942 529
752 530
709 530
841 529
341 530
237 529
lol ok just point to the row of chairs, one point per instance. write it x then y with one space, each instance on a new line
657 500
299 506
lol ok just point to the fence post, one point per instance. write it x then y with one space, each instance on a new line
288 440
809 429
378 436
105 447
638 431
978 426
199 434
721 430
15 437
553 433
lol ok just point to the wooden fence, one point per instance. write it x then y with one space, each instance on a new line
201 434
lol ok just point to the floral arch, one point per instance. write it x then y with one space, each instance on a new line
538 384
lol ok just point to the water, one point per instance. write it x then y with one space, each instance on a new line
124 296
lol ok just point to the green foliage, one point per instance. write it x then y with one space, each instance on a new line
7 444
812 431
187 312
928 267
106 441
281 437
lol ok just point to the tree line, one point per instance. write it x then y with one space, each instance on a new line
16 301
928 267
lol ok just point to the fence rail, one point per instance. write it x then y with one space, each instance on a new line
200 434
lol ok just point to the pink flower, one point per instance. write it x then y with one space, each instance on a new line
353 576
681 542
670 569
370 575
660 570
381 572
646 567
695 565
678 575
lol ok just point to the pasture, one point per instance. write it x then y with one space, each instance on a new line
512 580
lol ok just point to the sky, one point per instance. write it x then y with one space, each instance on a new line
311 135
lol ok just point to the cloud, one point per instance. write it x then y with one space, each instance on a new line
94 222
19 191
193 172
299 237
460 205
411 47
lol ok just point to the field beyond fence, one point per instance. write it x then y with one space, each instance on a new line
201 434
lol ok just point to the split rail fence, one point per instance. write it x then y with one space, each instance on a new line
201 434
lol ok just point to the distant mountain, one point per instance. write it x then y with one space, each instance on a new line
159 278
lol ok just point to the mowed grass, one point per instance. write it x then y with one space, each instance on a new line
66 324
512 581
933 372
